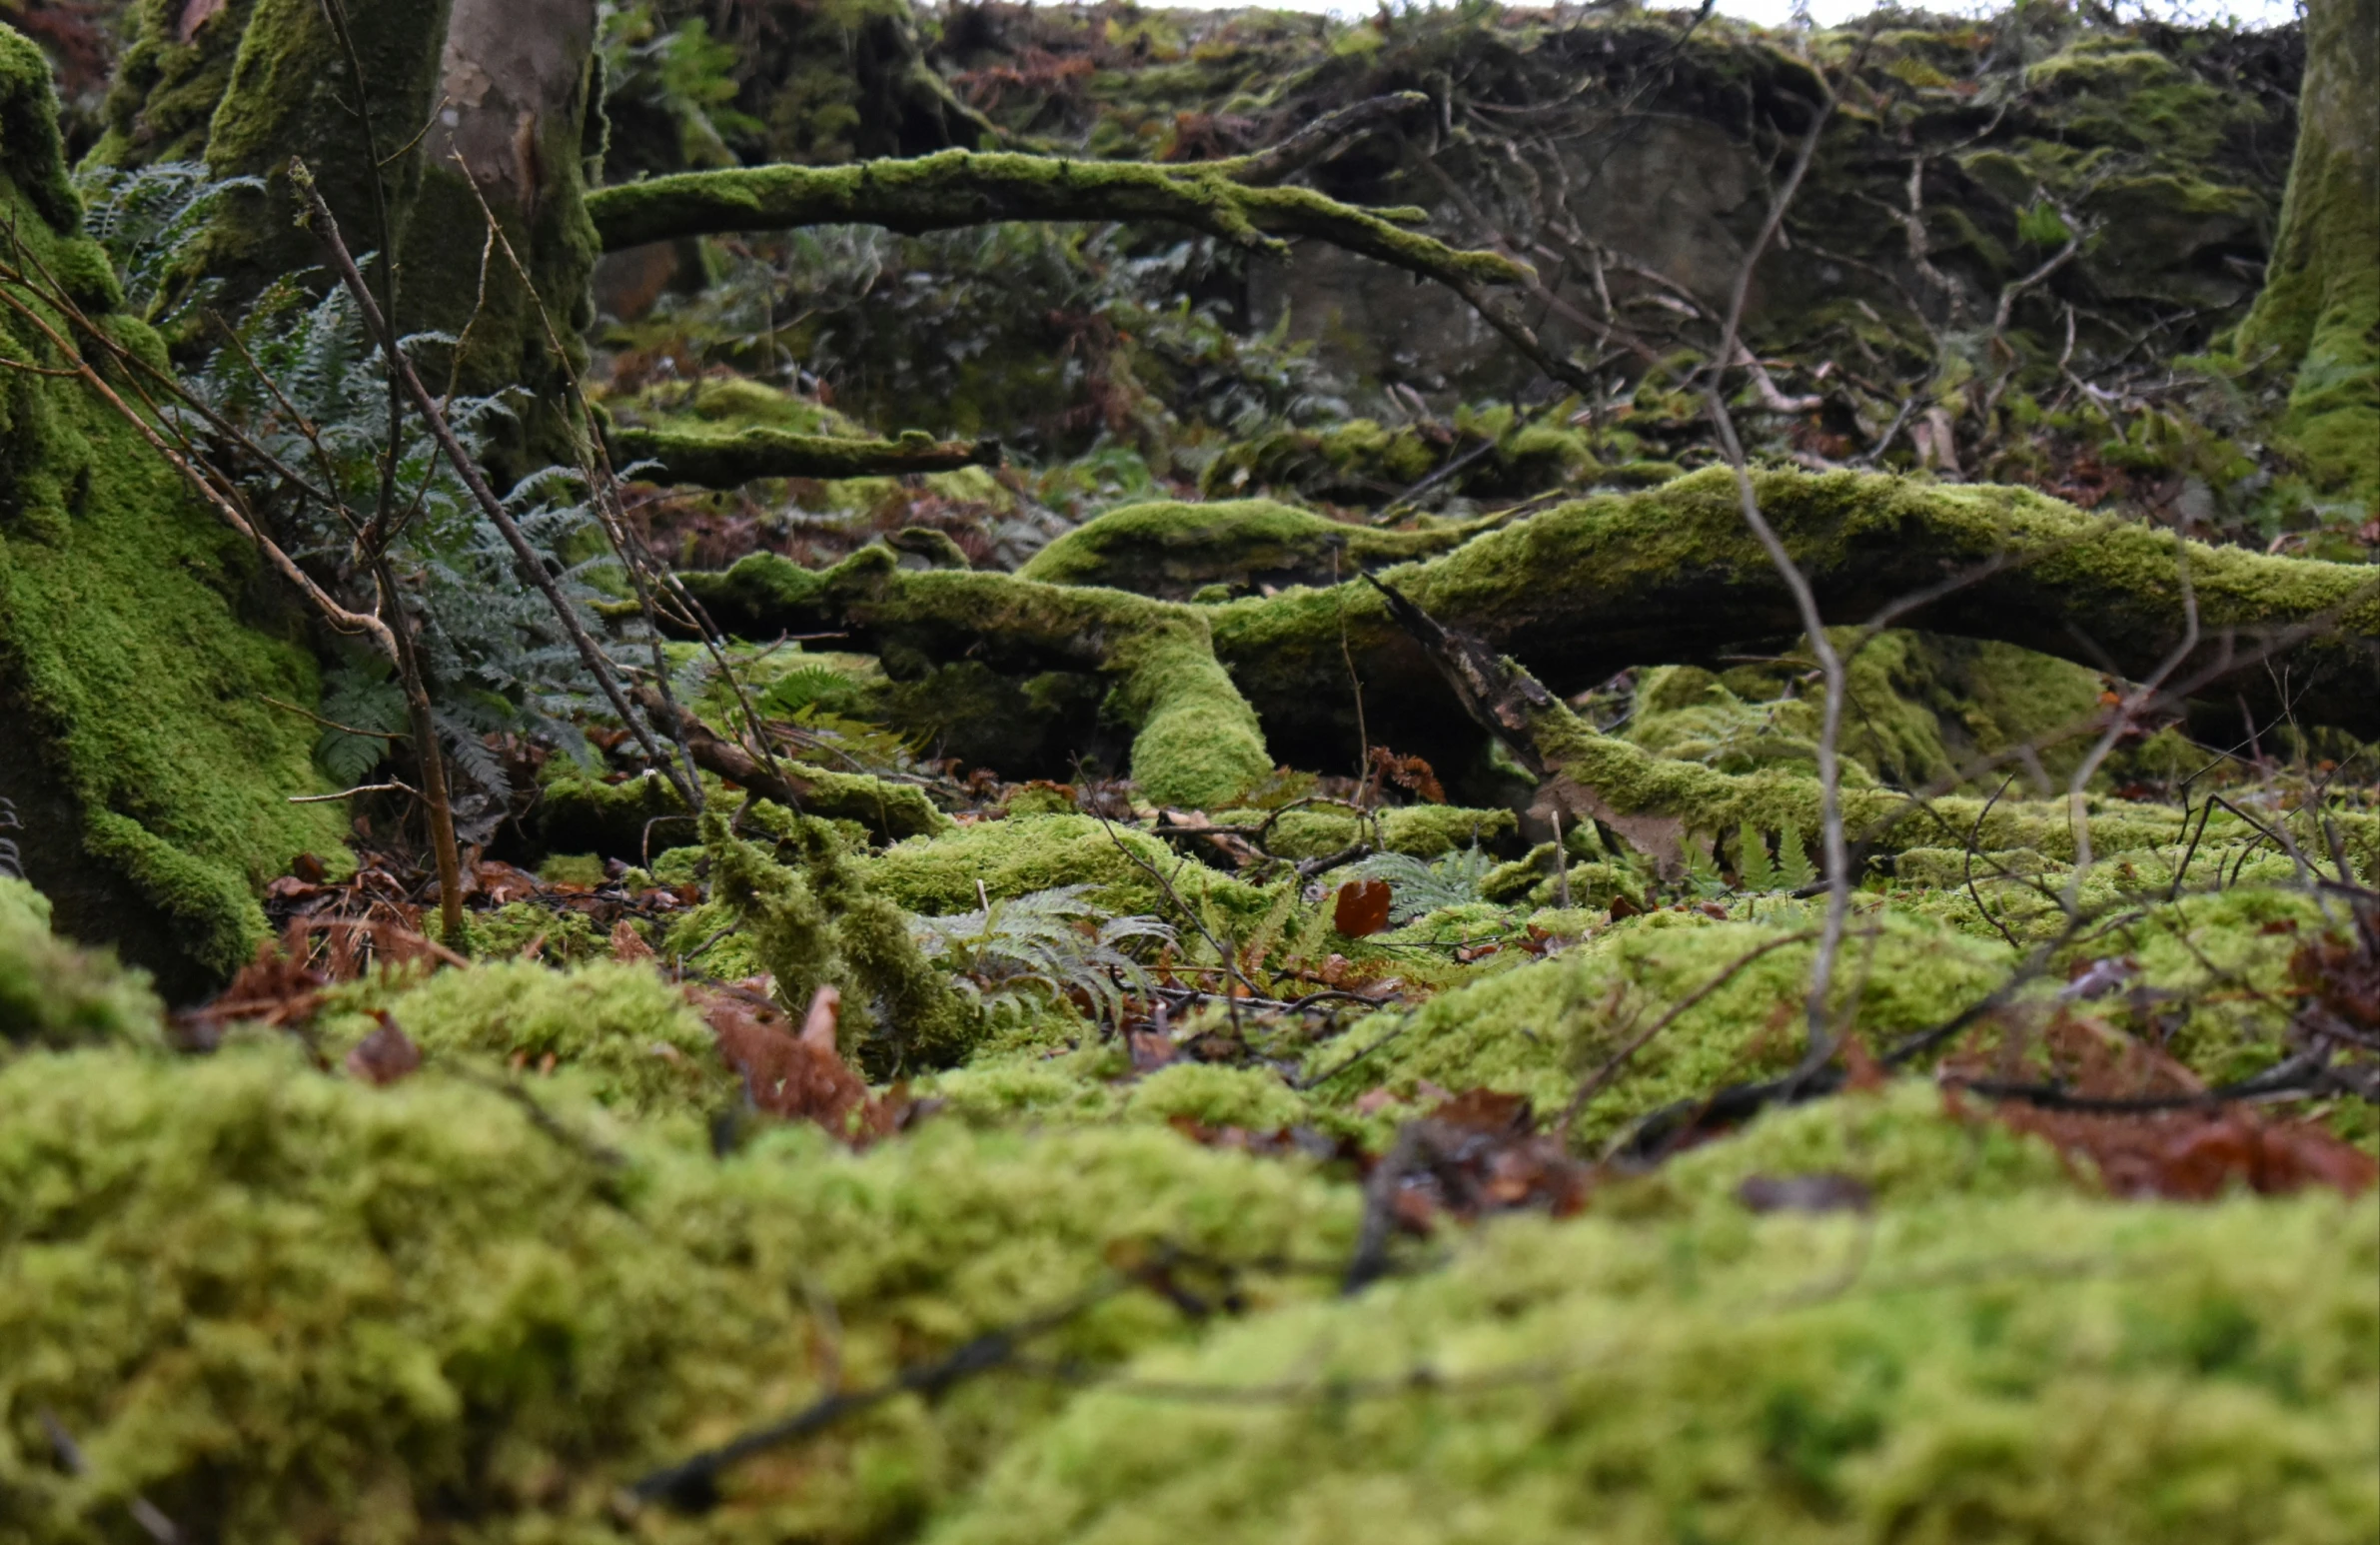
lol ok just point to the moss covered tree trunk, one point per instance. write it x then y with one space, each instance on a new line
2318 319
139 642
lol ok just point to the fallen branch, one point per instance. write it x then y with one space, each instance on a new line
958 187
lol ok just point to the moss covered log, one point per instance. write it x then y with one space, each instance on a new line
1174 551
1195 741
726 461
1599 584
963 188
138 638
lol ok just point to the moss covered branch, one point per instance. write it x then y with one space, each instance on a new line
962 188
732 460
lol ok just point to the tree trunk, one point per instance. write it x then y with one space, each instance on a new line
515 79
2317 322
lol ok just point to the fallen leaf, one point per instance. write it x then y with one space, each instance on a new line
385 1056
1361 908
797 1077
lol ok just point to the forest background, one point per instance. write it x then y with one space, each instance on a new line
812 770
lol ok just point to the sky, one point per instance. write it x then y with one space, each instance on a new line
2250 13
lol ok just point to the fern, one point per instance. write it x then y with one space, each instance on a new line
1753 864
1416 889
1046 946
1792 869
804 687
362 693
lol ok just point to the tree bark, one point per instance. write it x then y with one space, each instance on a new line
2317 321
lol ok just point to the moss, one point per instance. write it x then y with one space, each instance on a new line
289 94
257 1295
956 188
1903 1143
1671 573
1536 1030
750 454
1253 1097
1421 831
53 994
1174 551
136 652
1023 853
1982 1369
561 936
628 1036
817 922
167 86
2317 321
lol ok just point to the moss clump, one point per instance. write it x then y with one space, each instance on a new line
53 994
1420 831
1901 1143
1253 1097
168 85
1538 1030
629 1037
134 652
2036 1370
257 1295
1024 854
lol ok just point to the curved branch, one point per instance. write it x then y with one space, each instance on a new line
730 461
958 188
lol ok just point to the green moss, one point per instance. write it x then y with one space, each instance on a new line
956 188
257 1295
53 994
2317 321
289 94
1901 1142
1537 1029
2037 1368
628 1036
1023 853
1421 831
136 652
817 922
1253 1097
165 87
561 936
